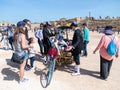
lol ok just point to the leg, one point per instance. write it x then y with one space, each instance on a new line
41 47
22 66
40 42
77 62
85 48
104 70
32 59
109 66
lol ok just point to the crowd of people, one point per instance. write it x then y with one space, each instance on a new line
23 45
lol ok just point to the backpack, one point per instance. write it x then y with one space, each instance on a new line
112 48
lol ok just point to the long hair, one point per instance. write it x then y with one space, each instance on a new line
18 31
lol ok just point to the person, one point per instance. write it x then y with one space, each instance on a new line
86 39
21 48
11 34
27 27
47 34
39 36
32 52
106 59
61 42
76 47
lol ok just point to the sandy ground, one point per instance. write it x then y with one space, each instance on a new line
62 79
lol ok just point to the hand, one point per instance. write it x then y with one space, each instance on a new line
69 48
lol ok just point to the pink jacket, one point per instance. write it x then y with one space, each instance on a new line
105 40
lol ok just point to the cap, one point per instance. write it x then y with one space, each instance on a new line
74 24
20 24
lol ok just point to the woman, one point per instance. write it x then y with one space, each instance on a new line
21 47
105 58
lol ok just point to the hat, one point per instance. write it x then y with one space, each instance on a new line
26 20
49 23
74 24
20 24
108 30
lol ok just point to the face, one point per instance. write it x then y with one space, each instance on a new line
41 26
28 25
73 28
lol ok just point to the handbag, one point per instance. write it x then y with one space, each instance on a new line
17 58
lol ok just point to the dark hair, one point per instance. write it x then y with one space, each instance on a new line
84 24
30 40
108 27
74 24
26 20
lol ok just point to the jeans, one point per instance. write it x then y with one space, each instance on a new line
11 42
32 59
77 59
40 42
85 48
105 67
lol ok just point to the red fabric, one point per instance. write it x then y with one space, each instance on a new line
53 51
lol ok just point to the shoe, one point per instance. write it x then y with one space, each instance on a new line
73 69
45 62
76 73
24 80
27 68
33 67
83 56
103 78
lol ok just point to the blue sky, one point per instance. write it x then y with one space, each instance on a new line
46 10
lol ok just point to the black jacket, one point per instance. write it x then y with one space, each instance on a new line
47 35
77 42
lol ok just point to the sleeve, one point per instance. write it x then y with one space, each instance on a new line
77 34
101 42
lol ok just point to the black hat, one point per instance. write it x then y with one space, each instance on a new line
74 24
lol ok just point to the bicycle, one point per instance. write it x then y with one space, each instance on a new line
46 76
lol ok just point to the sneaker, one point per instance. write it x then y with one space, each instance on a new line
24 80
76 73
73 69
45 62
33 67
27 68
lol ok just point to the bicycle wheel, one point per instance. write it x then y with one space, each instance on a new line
43 80
50 72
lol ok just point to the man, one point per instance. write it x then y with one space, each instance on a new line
77 46
39 36
47 33
27 26
86 38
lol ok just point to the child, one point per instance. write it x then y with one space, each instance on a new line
61 42
32 52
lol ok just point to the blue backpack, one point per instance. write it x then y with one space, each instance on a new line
112 48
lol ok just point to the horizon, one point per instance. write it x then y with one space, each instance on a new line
45 10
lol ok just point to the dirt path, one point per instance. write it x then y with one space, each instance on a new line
62 79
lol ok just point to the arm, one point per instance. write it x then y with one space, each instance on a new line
99 45
77 34
23 42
